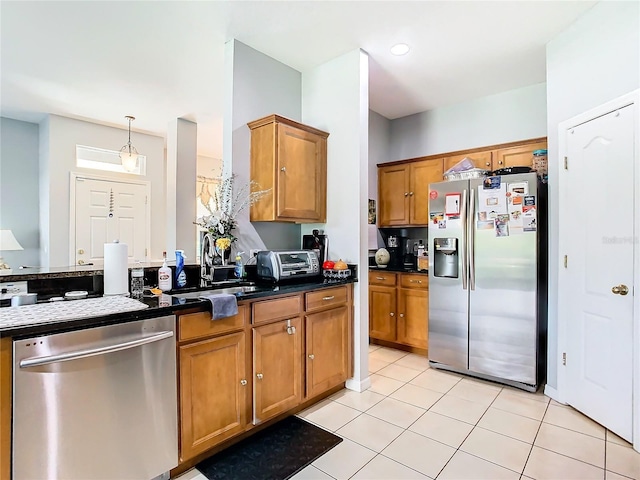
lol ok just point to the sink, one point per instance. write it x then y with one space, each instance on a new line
232 290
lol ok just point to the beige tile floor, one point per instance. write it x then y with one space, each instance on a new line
418 423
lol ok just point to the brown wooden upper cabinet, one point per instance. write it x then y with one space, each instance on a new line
494 159
517 156
290 159
403 192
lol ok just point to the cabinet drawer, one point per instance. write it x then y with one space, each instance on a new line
276 309
196 325
408 280
326 297
382 278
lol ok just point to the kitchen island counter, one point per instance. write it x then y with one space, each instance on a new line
153 306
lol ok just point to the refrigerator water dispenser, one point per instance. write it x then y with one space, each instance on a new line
446 257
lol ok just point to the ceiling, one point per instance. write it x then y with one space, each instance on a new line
159 61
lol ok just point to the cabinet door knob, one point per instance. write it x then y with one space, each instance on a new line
81 251
402 315
283 169
500 162
488 164
411 194
259 375
290 328
80 262
406 194
312 356
243 382
391 314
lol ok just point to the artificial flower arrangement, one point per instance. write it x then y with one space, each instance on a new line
226 202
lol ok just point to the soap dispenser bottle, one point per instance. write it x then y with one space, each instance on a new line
164 275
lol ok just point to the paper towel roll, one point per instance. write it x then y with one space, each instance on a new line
115 269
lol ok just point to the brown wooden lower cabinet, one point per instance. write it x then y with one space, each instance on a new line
399 309
413 308
277 376
213 392
327 349
246 370
382 311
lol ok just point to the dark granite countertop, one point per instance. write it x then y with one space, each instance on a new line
165 304
397 270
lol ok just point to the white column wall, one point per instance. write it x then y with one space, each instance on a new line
335 98
181 188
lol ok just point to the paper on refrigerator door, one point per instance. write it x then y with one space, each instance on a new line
529 214
492 202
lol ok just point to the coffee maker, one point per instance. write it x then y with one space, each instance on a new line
394 246
318 242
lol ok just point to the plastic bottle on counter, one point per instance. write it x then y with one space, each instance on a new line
239 268
181 276
164 275
137 280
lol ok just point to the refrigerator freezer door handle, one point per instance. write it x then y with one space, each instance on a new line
472 241
463 248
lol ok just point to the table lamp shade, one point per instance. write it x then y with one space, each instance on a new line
8 241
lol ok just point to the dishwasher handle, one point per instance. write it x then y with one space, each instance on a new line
91 352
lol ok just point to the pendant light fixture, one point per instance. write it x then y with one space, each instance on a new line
128 153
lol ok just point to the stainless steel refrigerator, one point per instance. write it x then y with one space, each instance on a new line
487 278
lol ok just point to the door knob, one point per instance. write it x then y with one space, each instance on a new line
620 289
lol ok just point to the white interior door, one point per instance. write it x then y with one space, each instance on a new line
108 210
597 236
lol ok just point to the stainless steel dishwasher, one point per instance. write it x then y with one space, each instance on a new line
98 403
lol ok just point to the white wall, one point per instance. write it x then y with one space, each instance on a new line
509 116
595 60
257 85
19 189
57 158
335 98
379 144
181 174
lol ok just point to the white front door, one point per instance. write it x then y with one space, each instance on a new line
597 237
107 210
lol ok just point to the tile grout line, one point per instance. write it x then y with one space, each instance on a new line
468 434
533 443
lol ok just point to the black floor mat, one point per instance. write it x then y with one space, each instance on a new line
275 453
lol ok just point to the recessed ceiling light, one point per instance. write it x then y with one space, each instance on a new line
400 49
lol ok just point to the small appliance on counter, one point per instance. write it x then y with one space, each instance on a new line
277 266
319 243
394 247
